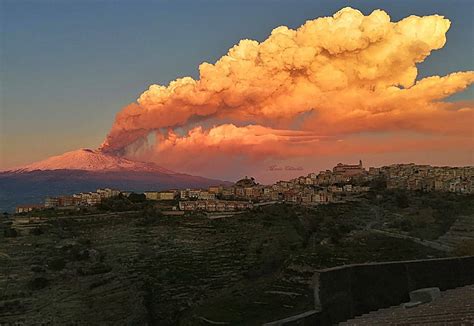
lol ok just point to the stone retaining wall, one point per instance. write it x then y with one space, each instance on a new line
347 291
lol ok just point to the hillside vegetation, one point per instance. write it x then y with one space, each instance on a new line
143 267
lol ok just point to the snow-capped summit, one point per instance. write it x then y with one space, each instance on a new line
91 160
87 170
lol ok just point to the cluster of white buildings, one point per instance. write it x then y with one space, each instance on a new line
343 181
313 189
324 187
160 195
427 178
214 205
81 199
65 202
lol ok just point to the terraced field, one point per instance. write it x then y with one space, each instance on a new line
123 269
148 269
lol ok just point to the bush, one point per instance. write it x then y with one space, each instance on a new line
98 268
56 264
76 252
401 200
37 269
150 216
137 198
84 242
267 267
406 225
38 283
10 233
465 248
36 231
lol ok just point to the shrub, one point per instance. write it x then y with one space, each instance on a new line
38 283
36 231
10 233
465 248
401 199
37 269
84 242
137 198
406 225
56 264
98 268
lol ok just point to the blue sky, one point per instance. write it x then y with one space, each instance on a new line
67 67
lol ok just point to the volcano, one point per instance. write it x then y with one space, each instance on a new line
91 160
86 170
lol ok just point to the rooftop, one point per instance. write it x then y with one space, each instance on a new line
454 307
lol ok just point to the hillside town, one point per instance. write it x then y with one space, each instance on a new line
343 182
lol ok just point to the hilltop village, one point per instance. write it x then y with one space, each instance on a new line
344 182
245 254
189 256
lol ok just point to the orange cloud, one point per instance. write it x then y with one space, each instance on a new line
228 147
253 140
336 76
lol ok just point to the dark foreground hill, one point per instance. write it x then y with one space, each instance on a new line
143 268
33 186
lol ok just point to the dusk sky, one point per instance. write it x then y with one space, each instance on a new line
68 67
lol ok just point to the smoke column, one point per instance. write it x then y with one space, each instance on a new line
303 90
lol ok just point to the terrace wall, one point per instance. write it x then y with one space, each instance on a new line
347 291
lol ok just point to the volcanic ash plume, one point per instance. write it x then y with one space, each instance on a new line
333 76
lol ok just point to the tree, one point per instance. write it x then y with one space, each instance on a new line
137 198
401 200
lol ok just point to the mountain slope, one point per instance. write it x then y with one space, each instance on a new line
91 160
86 170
